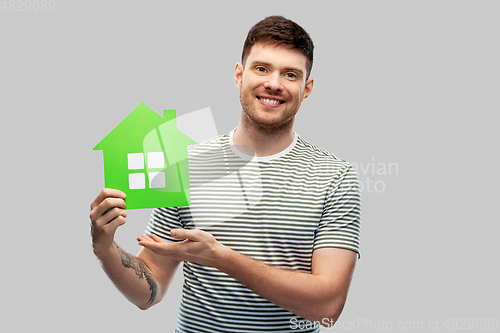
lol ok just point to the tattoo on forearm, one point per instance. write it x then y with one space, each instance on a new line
141 271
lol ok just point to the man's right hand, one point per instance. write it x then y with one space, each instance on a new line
106 215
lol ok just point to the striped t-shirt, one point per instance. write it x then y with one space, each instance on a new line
277 209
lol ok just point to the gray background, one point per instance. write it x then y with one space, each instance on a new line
406 90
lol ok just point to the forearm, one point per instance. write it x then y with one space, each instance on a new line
130 275
313 297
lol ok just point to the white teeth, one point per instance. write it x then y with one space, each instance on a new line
270 101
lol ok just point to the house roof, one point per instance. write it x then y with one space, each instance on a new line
129 134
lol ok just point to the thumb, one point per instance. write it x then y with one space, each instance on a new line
177 233
185 234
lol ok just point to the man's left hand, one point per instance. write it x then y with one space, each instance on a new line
197 246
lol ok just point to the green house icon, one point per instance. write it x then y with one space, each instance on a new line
145 156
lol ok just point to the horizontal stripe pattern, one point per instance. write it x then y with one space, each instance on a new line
277 211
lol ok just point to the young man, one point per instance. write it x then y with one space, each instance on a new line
271 238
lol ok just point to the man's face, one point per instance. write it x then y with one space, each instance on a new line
272 85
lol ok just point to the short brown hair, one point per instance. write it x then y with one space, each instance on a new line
280 31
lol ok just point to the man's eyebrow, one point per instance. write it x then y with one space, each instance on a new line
294 69
286 69
259 63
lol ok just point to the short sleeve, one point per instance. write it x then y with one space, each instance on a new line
162 220
340 224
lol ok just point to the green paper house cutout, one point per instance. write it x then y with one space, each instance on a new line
145 156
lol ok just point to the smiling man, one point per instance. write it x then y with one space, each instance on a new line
270 243
272 83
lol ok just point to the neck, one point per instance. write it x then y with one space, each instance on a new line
252 139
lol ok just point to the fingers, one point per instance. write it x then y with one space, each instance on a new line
109 222
107 214
156 238
149 241
198 246
153 243
105 207
144 240
106 193
104 202
110 217
103 231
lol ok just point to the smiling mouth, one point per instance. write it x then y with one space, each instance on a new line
270 101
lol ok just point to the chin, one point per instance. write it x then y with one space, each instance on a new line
269 124
268 120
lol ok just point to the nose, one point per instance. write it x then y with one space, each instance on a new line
273 82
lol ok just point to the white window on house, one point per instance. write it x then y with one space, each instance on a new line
135 161
156 159
137 180
156 179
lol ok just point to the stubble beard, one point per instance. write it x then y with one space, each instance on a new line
274 125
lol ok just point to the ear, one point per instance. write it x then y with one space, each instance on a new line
238 75
308 88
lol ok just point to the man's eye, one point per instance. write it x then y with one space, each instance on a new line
261 69
291 75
